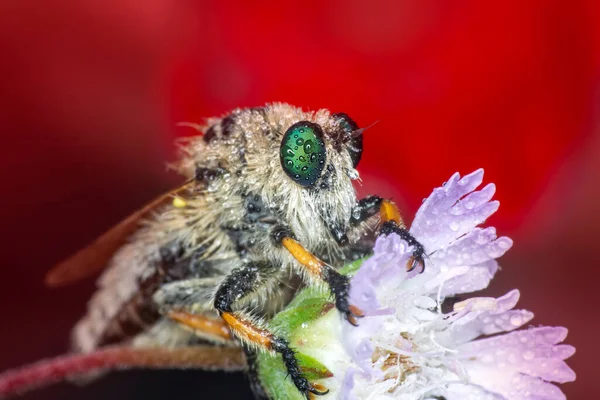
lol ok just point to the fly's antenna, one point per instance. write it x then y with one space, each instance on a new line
358 132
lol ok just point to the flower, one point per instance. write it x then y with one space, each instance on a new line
408 346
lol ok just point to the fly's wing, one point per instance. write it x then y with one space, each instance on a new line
93 258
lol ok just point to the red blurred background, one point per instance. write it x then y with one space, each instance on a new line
90 93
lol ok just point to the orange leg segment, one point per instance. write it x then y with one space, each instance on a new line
248 332
204 324
389 212
303 256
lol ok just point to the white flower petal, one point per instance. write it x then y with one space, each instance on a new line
405 348
461 391
474 278
475 247
444 217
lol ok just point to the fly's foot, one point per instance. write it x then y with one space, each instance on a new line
288 356
418 256
340 288
317 390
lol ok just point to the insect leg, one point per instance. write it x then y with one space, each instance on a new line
241 283
391 223
339 284
203 325
188 302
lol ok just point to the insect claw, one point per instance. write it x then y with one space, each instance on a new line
350 318
318 389
356 311
414 262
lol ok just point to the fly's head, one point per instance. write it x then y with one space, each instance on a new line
314 165
300 164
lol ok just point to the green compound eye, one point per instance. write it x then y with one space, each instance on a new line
302 153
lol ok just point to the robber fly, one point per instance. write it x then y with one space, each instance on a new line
268 206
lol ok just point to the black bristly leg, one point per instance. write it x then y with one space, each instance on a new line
370 206
243 281
418 249
240 283
339 285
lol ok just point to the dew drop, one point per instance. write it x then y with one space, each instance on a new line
488 359
308 146
528 355
503 244
494 253
302 158
300 142
454 226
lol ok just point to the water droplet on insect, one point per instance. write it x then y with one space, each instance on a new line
308 146
302 158
300 142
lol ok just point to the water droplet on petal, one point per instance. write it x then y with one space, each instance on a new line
488 359
528 355
516 320
454 226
